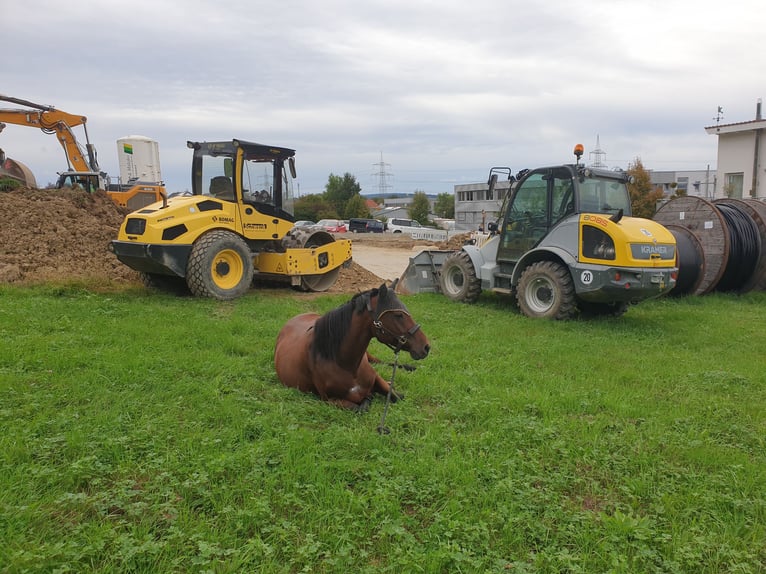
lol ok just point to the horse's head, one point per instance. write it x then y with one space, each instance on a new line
395 327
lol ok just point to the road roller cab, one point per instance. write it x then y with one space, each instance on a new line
236 223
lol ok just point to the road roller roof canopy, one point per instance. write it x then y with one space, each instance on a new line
253 151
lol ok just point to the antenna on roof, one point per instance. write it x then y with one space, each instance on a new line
719 115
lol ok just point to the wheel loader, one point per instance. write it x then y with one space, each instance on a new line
564 243
235 225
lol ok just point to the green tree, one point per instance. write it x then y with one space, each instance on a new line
420 207
356 207
444 206
643 196
313 207
340 189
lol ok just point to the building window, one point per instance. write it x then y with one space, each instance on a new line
733 183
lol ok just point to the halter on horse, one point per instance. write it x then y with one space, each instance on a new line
327 355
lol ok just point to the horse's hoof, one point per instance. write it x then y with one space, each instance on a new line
397 396
364 406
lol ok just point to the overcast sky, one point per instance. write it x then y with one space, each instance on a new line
444 89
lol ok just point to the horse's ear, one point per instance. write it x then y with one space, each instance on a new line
382 291
394 284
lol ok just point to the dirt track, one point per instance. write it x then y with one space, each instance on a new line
61 236
384 261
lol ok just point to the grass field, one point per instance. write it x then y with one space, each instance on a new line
148 433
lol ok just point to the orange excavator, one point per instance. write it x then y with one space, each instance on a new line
82 164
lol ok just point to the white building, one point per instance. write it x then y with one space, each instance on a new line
699 183
741 158
475 207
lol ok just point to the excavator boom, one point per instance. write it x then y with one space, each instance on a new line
51 120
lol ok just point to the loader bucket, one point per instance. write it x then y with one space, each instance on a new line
422 273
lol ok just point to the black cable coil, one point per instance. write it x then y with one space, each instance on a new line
690 262
744 247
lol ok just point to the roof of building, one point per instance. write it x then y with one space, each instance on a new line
736 127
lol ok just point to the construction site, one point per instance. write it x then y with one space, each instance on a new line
564 241
62 236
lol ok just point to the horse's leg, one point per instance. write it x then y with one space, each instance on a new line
382 386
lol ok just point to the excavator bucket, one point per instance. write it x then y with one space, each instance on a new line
422 273
17 171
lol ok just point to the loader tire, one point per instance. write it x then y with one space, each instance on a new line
220 266
458 280
308 237
546 291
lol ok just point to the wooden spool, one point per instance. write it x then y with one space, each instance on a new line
757 211
701 217
689 249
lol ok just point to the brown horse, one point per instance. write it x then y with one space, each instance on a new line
327 355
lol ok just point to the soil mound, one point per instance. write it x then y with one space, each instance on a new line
62 235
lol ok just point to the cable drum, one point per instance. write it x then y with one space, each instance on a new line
691 261
720 244
744 247
701 219
757 210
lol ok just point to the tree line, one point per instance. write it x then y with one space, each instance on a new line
342 199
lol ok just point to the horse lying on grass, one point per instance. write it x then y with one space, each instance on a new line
327 354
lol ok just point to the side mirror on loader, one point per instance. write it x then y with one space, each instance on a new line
492 183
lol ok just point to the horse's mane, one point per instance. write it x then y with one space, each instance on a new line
332 327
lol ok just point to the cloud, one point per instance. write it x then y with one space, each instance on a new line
444 90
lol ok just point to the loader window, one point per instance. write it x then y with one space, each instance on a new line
563 198
604 196
527 220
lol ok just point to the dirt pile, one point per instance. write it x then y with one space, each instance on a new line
62 235
59 235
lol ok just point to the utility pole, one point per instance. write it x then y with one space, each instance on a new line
382 176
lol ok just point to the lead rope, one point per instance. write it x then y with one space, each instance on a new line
382 428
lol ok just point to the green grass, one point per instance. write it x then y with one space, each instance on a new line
148 433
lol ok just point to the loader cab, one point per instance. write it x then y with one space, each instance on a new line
541 199
545 198
257 177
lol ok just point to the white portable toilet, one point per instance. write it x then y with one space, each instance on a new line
139 158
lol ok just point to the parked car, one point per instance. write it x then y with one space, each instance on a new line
333 225
360 225
303 223
403 225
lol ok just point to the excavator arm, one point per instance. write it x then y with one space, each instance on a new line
53 121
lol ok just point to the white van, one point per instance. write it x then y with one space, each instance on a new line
403 225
